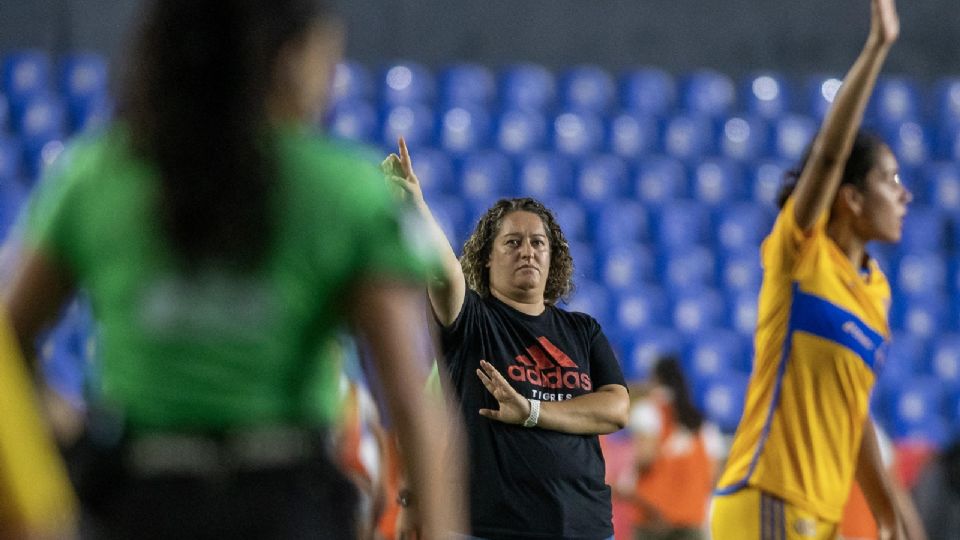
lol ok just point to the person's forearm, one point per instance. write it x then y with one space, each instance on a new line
447 287
874 482
597 413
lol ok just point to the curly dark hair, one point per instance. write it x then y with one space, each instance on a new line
476 250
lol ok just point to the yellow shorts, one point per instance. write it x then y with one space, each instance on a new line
751 514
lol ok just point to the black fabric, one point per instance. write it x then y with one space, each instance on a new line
531 483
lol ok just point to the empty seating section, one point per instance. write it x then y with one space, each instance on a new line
665 185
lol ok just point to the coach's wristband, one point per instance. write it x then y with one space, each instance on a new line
534 413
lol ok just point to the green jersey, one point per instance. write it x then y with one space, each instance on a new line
217 349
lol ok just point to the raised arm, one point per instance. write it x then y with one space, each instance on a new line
447 288
821 175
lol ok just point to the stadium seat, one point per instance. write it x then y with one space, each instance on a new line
485 174
648 91
722 399
83 76
741 227
766 179
744 138
948 141
942 186
660 179
944 360
43 117
415 122
519 131
601 179
686 267
716 182
5 126
577 133
688 137
681 223
25 74
10 160
742 312
527 87
924 229
544 175
909 142
352 82
353 120
450 213
946 98
642 307
820 91
406 83
468 85
633 135
921 273
904 357
619 221
915 402
587 89
644 348
591 298
624 266
922 316
90 114
571 216
694 310
464 128
435 171
895 100
766 95
714 353
584 261
792 135
708 93
740 271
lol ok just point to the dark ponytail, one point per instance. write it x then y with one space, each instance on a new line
669 374
196 104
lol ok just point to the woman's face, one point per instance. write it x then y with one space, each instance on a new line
884 201
520 257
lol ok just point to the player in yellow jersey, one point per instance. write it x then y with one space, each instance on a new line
821 333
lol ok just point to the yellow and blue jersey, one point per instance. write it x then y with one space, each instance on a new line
820 340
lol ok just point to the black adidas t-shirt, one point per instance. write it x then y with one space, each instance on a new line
530 482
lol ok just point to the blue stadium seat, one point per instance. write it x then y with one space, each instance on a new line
577 133
641 307
904 356
697 309
467 85
765 180
587 88
716 182
620 221
571 216
944 361
415 122
90 114
686 267
435 171
792 135
740 272
895 100
924 229
922 316
946 97
660 179
584 262
921 273
909 142
633 135
43 117
353 120
742 312
624 266
591 298
722 399
601 179
709 93
527 87
645 347
741 227
450 213
713 353
406 83
352 82
766 95
10 160
688 137
4 114
915 402
544 175
83 76
820 91
12 198
464 129
520 131
942 183
25 73
744 138
648 91
681 223
486 174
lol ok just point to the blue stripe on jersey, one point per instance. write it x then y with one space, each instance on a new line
816 316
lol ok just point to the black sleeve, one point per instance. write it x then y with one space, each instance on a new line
604 367
456 334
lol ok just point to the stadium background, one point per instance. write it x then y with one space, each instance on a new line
662 176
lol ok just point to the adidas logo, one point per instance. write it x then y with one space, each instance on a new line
547 366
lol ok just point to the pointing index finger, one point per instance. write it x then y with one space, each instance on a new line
405 160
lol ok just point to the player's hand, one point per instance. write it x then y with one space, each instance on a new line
514 408
399 172
884 21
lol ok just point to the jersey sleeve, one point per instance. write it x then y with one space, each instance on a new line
604 367
784 245
456 333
